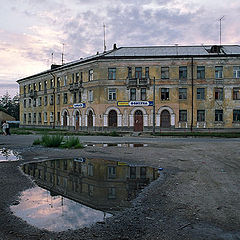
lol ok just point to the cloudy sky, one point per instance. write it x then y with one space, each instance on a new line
31 30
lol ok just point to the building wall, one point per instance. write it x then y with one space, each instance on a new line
101 105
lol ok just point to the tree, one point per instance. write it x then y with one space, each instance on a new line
10 105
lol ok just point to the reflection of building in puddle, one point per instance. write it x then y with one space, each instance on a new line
8 155
131 145
100 184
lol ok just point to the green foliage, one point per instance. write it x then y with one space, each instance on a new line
20 132
72 142
37 142
200 134
51 141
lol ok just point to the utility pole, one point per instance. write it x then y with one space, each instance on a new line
154 114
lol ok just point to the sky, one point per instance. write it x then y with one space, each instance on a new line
31 30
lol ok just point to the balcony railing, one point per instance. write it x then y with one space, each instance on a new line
75 86
138 82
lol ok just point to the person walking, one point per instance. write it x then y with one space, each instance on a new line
4 126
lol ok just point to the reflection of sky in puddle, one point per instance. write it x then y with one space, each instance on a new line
8 155
131 145
54 213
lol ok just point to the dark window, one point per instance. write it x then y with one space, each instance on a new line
133 94
182 93
138 72
218 72
40 101
39 86
74 97
200 93
182 115
112 193
34 102
129 72
58 99
183 72
143 94
112 73
79 96
111 172
29 118
51 100
146 72
111 94
164 72
218 93
218 115
164 93
200 72
77 77
65 98
133 173
24 103
51 83
65 165
201 115
45 86
236 93
73 77
24 117
90 75
58 116
40 118
34 86
29 102
45 100
143 172
90 169
34 117
81 77
236 115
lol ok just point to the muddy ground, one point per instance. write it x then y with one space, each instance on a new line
197 196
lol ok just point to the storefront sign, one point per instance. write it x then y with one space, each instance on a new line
77 105
135 103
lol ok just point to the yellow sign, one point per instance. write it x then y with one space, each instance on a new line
123 103
122 164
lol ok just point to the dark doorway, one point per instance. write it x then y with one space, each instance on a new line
138 121
65 116
90 119
165 119
77 121
112 118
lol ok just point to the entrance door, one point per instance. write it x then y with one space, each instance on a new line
90 119
165 119
65 119
138 121
112 118
77 121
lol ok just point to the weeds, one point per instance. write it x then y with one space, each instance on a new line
72 142
51 141
37 142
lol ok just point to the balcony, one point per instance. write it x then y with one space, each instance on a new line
138 82
33 94
74 87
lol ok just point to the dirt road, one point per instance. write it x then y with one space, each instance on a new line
197 197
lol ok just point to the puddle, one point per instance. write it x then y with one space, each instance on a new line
116 145
75 193
8 155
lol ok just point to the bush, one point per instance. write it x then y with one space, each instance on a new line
52 141
72 142
37 142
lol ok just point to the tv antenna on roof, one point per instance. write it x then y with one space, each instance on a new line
104 38
220 32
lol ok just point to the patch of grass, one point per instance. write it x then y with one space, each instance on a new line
37 142
20 132
200 134
72 142
52 141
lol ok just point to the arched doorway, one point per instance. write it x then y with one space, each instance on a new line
112 118
138 121
90 118
65 117
77 120
165 119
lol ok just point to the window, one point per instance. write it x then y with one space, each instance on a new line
201 115
65 165
218 115
34 102
164 72
164 93
236 72
200 93
133 173
143 94
183 72
24 91
58 116
39 118
200 72
51 83
40 86
90 169
34 117
90 95
111 172
65 80
45 86
218 93
129 72
29 118
90 75
236 115
29 88
45 117
77 77
24 117
111 94
24 103
45 100
236 93
58 82
73 77
29 102
58 99
143 172
138 72
218 72
90 190
34 87
81 77
65 98
182 115
133 94
79 96
40 101
146 72
74 97
51 100
51 117
112 74
112 193
182 93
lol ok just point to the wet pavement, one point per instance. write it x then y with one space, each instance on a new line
8 155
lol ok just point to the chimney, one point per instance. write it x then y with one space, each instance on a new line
114 46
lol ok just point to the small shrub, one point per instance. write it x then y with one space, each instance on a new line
20 132
114 134
72 142
52 141
37 142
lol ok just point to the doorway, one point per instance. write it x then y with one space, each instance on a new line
138 121
65 116
165 119
90 119
112 118
77 121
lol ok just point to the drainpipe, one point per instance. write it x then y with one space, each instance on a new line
53 100
154 114
192 96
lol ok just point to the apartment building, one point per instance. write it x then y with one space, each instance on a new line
196 87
